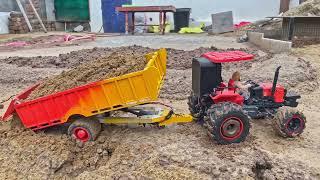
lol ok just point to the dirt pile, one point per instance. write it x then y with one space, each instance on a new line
72 59
308 8
116 64
178 152
47 154
295 72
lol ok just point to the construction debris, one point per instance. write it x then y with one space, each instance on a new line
272 27
17 24
308 8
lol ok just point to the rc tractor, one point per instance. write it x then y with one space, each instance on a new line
226 113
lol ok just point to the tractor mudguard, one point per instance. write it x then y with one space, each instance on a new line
227 96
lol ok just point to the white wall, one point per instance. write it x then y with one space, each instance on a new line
96 21
50 10
243 10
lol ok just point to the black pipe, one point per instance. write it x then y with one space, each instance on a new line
275 80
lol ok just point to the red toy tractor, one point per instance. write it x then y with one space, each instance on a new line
226 113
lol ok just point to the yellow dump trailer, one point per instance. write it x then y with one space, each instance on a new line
85 107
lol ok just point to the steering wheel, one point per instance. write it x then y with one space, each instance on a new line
253 84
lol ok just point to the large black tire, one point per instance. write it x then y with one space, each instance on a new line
227 123
84 129
193 102
288 122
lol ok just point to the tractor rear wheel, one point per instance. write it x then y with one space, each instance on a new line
227 123
289 122
84 129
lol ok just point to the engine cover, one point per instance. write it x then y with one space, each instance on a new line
278 95
206 75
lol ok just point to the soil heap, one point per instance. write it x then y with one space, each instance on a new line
116 64
308 8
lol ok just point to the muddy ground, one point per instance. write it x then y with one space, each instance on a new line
176 152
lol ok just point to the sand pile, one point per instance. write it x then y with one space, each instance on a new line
179 152
308 8
116 64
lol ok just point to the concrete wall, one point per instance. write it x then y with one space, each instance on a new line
4 22
8 5
50 10
272 45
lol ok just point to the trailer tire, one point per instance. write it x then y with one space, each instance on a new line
227 123
289 122
84 129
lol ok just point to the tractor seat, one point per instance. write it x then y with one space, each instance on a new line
222 86
231 85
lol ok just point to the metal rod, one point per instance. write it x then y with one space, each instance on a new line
24 15
133 23
291 28
164 23
38 17
160 22
127 22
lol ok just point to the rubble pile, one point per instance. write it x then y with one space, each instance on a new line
17 24
308 8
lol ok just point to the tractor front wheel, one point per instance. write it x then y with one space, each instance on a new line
84 129
227 123
289 122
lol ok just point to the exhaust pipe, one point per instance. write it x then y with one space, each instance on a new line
275 80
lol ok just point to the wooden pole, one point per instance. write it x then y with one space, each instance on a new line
24 15
284 6
38 17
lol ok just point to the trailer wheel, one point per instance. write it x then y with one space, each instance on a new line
289 122
84 129
227 123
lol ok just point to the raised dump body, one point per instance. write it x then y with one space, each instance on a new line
91 99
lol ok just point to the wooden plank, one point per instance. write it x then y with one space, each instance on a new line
37 15
146 9
24 15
